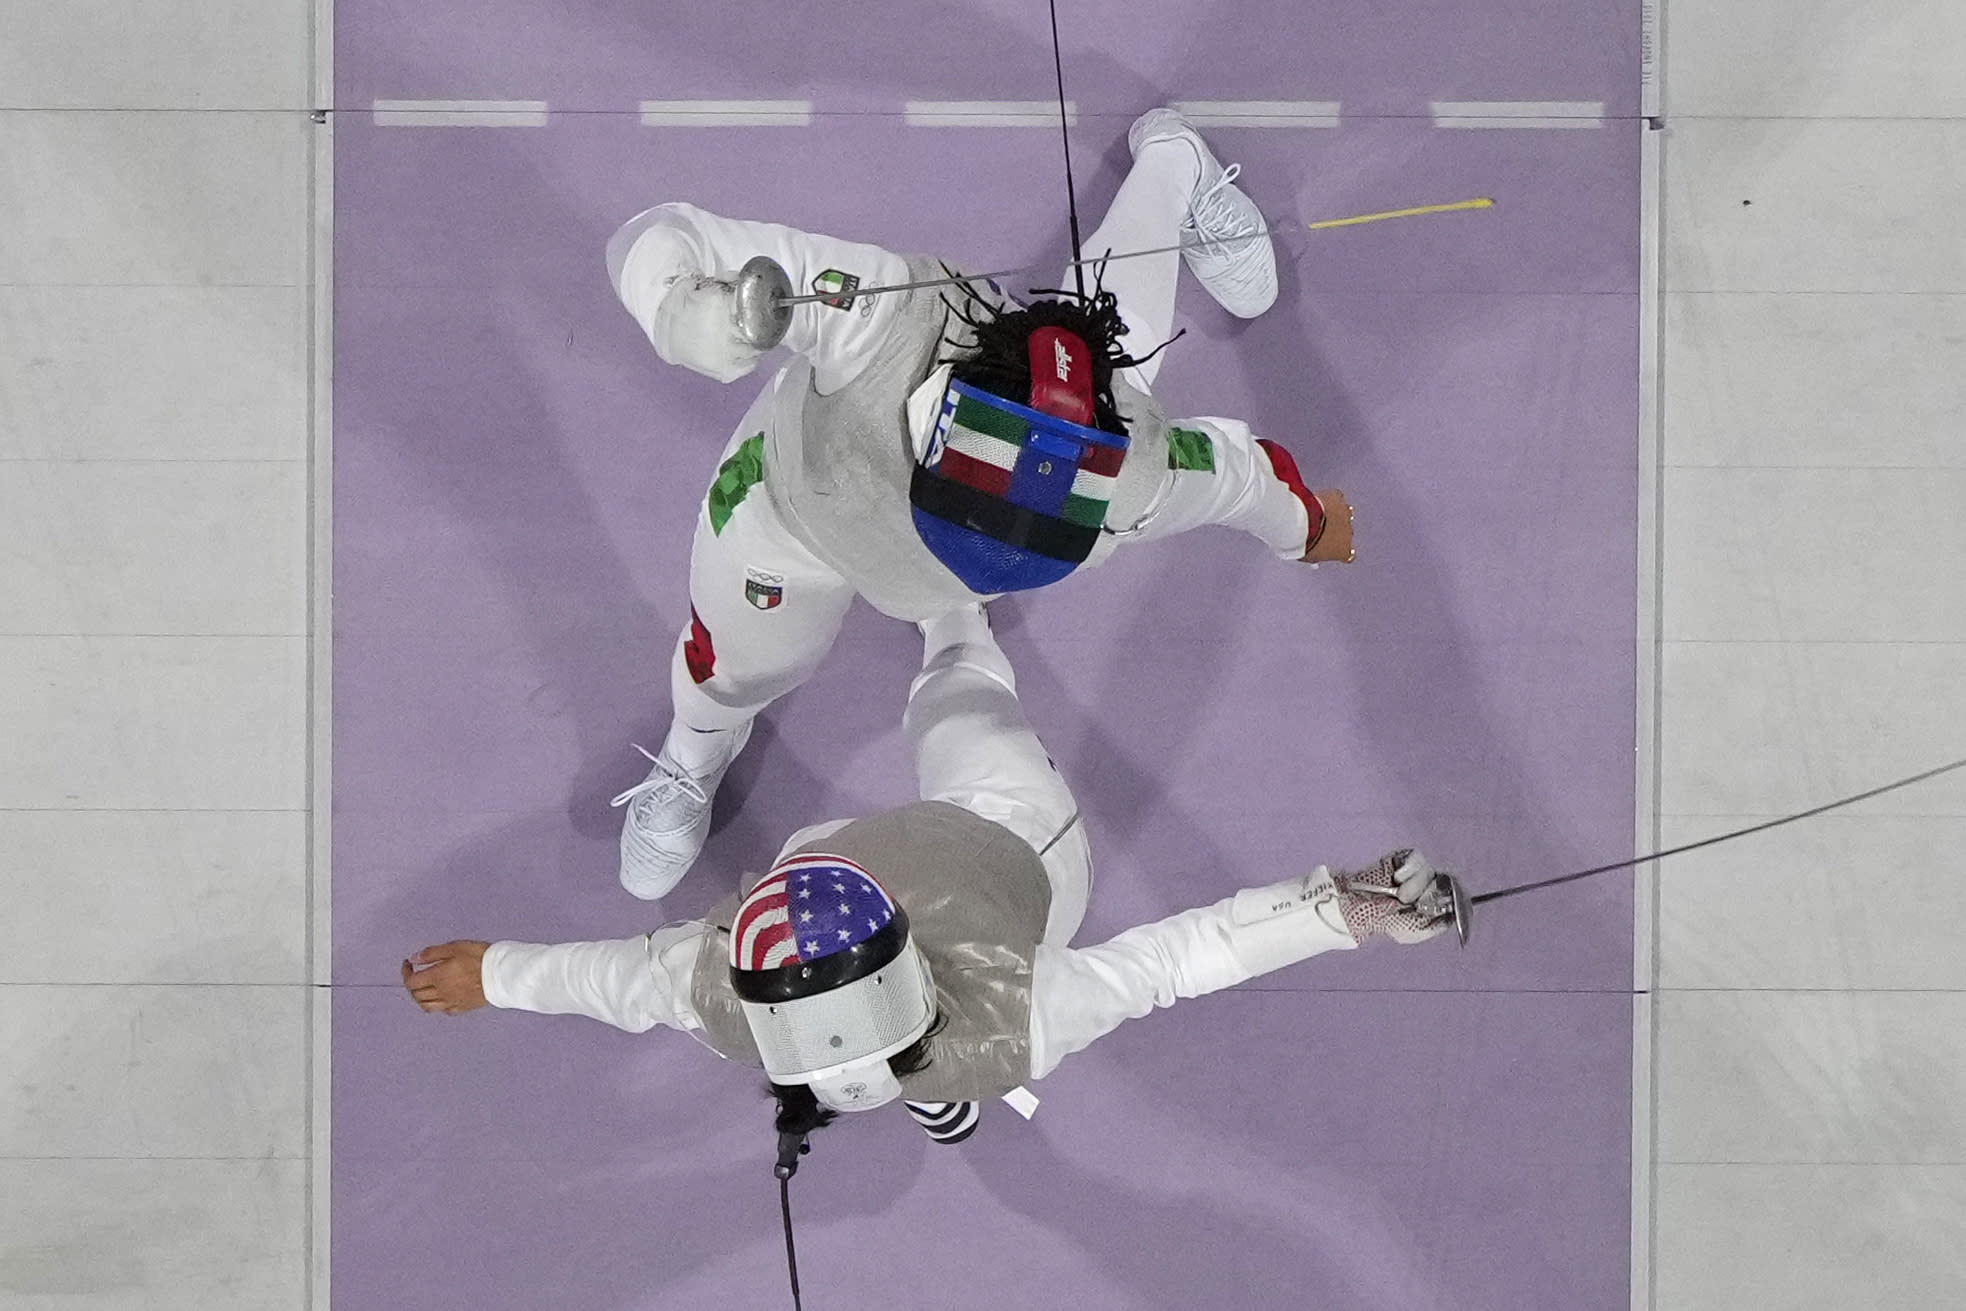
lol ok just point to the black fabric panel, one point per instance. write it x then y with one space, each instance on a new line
804 979
995 517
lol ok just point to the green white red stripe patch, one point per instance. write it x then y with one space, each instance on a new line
1035 463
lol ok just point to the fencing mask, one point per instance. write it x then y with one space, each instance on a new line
830 980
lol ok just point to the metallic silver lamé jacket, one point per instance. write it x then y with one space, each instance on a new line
976 897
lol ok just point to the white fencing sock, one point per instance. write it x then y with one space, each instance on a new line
699 752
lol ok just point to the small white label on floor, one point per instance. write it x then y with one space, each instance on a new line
987 113
1260 113
726 113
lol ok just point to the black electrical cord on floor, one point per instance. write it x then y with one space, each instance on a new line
791 1256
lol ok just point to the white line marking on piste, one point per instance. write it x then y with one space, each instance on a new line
460 113
987 113
1261 113
1519 113
726 113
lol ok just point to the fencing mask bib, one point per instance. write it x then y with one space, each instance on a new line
830 980
1010 495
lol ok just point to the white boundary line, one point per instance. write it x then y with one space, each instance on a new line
320 56
987 113
319 1012
726 113
1510 114
1651 587
459 113
1651 578
1652 58
1261 113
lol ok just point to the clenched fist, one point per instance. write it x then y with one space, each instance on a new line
448 977
1380 902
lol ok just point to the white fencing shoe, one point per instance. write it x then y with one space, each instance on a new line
668 819
1231 253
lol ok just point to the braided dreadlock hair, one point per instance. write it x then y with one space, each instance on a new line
998 359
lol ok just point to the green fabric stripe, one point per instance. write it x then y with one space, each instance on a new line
1083 510
1190 450
990 421
744 470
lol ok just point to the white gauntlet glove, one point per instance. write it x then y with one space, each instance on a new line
696 327
1403 876
663 276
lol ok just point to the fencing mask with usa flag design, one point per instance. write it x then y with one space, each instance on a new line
830 979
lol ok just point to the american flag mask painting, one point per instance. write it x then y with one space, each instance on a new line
806 909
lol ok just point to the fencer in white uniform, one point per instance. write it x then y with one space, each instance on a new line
993 870
811 503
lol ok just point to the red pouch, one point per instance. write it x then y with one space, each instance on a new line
1061 376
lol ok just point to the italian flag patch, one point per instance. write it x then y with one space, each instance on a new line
1003 455
1189 449
736 477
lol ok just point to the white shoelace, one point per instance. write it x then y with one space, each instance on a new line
1214 217
1212 212
663 776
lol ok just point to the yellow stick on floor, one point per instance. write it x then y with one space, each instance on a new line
1479 202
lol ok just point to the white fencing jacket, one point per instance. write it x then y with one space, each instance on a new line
1078 994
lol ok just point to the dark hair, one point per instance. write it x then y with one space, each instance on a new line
998 360
799 1110
915 1057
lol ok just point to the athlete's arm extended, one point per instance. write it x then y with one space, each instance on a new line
1079 994
667 263
632 983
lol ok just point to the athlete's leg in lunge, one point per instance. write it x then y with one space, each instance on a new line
764 611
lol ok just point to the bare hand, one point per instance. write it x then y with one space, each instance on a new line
448 978
1334 545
